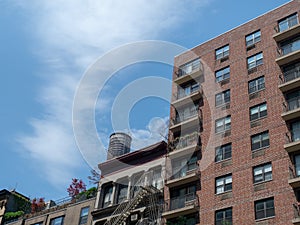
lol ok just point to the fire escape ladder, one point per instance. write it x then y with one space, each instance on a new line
141 189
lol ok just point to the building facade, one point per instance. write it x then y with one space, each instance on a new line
131 188
66 211
234 135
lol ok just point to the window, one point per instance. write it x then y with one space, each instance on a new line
297 165
295 131
293 100
259 141
84 215
57 221
224 216
179 196
122 193
223 98
288 22
256 85
223 152
264 208
40 223
262 173
157 180
253 38
222 52
290 46
223 184
189 67
187 113
259 111
182 166
223 124
107 196
291 72
187 90
255 60
223 74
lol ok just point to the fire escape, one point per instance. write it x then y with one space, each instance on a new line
142 190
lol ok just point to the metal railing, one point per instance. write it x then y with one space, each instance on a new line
290 75
296 207
186 116
293 135
187 140
180 172
189 68
180 95
181 202
289 47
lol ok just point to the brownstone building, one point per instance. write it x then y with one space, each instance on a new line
234 134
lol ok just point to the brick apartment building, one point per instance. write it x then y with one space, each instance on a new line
234 132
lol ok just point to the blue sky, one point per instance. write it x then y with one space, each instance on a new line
46 46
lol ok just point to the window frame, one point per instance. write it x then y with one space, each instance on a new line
258 86
288 20
52 221
260 113
264 203
223 149
261 146
224 99
266 175
251 39
223 73
83 219
225 126
255 60
226 184
225 218
222 52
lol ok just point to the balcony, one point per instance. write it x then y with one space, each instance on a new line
290 80
291 109
190 71
183 178
289 52
186 120
293 141
185 145
182 99
290 32
180 206
296 219
294 180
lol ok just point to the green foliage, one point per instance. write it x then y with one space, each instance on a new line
21 203
90 193
13 215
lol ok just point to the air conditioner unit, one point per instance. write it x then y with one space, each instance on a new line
134 217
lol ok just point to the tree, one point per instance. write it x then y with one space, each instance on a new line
37 205
77 186
94 177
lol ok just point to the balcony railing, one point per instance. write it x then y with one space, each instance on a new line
187 140
296 208
181 118
180 95
290 47
293 135
181 202
184 171
189 68
290 75
292 104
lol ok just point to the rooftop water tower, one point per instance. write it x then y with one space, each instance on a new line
119 144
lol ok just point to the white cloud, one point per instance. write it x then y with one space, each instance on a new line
69 35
